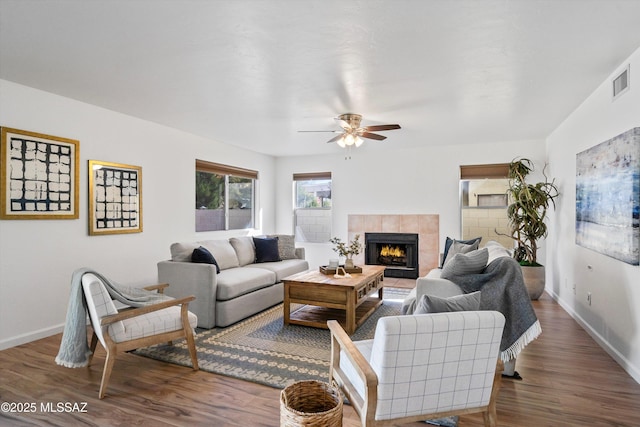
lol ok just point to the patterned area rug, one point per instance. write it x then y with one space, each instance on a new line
262 349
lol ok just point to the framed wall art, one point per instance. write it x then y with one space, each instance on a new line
608 197
39 176
115 198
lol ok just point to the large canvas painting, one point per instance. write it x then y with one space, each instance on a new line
608 197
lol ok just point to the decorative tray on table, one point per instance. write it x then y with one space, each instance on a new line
325 269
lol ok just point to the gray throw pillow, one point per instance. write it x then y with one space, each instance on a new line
433 304
460 248
449 241
286 245
465 263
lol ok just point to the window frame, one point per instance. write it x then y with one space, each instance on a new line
228 171
310 176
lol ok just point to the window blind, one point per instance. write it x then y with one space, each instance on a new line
311 176
220 169
496 170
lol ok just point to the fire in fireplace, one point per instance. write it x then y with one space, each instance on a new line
393 255
397 251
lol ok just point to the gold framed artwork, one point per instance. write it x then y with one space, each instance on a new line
115 198
39 175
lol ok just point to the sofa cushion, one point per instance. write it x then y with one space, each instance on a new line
234 282
284 268
433 304
496 250
468 263
449 242
202 255
286 245
245 249
182 251
223 252
266 249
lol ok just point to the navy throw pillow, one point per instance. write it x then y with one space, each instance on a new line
266 249
202 255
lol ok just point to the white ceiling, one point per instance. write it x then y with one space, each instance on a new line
252 73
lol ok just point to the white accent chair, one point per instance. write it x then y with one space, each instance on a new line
421 367
135 327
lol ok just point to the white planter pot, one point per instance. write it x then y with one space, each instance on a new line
534 280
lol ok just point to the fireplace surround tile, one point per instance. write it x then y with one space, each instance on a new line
427 226
390 224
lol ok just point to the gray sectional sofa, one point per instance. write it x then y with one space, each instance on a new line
238 286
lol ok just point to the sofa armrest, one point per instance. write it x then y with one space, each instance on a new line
188 278
300 253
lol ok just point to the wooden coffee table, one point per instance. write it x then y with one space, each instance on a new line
346 299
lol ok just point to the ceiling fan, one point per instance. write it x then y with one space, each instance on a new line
352 134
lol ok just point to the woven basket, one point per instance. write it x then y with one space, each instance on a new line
310 404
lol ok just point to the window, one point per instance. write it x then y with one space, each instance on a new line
225 197
312 207
483 202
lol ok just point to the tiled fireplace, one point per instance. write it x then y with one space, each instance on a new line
427 227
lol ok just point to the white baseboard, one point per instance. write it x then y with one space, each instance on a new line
31 336
606 346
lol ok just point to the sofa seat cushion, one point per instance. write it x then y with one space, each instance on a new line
282 269
154 323
234 282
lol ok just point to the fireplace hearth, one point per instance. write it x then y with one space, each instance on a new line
398 252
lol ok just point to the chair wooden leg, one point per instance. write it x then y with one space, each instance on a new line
188 332
191 343
92 347
490 415
106 373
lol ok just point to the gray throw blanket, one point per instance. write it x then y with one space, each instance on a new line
502 289
74 350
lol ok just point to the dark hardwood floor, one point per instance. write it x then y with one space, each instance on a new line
568 381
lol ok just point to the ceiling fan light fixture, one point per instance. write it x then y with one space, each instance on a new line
359 141
349 139
341 142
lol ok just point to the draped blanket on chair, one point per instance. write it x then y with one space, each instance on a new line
74 349
502 289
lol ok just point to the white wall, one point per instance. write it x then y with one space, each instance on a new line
37 257
613 318
417 181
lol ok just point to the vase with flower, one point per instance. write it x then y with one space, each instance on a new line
347 250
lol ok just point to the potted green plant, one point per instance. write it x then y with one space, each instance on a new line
347 250
527 211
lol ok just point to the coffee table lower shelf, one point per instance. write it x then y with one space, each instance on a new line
316 316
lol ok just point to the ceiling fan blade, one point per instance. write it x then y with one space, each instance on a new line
372 136
343 124
335 138
376 128
332 131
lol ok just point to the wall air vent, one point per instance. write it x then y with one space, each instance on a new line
620 84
